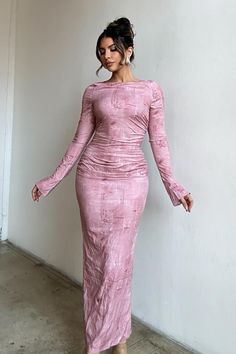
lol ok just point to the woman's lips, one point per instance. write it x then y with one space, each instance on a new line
109 64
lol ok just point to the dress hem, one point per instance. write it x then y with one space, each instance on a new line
101 349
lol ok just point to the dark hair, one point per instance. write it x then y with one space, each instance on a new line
121 32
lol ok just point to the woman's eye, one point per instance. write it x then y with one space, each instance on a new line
102 52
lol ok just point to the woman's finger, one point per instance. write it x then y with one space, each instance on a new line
36 193
189 201
33 194
184 203
190 204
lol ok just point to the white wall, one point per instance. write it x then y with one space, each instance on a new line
184 279
7 46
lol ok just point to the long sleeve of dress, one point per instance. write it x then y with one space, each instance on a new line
84 132
160 148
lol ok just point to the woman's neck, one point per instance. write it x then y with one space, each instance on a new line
123 75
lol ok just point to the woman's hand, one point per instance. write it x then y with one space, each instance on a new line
187 202
36 194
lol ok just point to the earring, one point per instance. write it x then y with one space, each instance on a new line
127 61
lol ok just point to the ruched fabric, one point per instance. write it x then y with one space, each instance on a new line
111 187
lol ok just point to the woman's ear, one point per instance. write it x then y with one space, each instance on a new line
130 51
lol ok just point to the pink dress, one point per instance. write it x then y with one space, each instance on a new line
111 187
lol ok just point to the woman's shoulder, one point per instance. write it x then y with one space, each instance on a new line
156 89
155 84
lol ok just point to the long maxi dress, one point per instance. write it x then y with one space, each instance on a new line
111 187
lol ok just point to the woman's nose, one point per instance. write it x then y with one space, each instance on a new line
107 54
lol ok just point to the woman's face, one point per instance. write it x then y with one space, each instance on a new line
109 55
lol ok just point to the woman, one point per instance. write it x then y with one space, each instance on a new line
112 183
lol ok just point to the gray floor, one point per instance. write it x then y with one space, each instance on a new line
41 312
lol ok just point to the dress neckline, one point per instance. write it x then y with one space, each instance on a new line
119 82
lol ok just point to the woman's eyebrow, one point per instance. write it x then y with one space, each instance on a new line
107 47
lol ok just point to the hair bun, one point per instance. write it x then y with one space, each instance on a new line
122 26
123 21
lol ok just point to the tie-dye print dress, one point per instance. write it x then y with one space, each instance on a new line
111 186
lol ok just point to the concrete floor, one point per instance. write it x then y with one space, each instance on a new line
41 312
